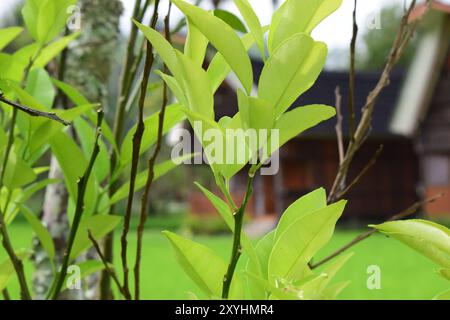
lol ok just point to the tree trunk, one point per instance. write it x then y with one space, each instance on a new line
88 68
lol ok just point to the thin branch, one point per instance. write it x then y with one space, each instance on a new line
363 172
5 294
401 41
405 213
339 120
137 140
108 268
237 248
79 209
351 82
33 112
151 174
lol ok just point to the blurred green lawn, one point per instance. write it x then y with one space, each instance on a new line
405 274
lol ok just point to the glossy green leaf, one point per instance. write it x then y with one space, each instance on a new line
253 23
204 267
52 50
40 86
302 239
41 233
197 87
99 225
196 44
298 17
223 38
174 115
293 123
263 249
73 94
231 20
218 69
428 238
8 35
174 86
295 65
309 203
45 19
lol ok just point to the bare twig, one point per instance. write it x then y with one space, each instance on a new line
108 268
402 38
151 174
137 140
351 82
5 294
79 209
339 119
363 172
405 213
33 112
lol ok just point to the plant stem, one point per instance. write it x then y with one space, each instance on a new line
137 140
5 294
82 186
17 263
237 248
151 173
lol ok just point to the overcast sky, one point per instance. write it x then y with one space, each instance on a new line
335 31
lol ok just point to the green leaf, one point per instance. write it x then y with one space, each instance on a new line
218 69
44 129
7 268
99 225
263 249
196 44
174 86
295 64
333 268
203 266
39 85
293 123
255 113
73 164
311 202
197 87
18 172
173 116
86 135
160 170
45 19
224 39
231 20
445 273
332 292
52 50
73 94
443 296
41 232
7 35
428 238
162 47
298 17
224 210
253 23
302 239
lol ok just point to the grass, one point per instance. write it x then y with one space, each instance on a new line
404 273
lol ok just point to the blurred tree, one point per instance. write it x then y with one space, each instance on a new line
378 39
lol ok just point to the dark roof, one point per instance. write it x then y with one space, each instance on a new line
323 92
